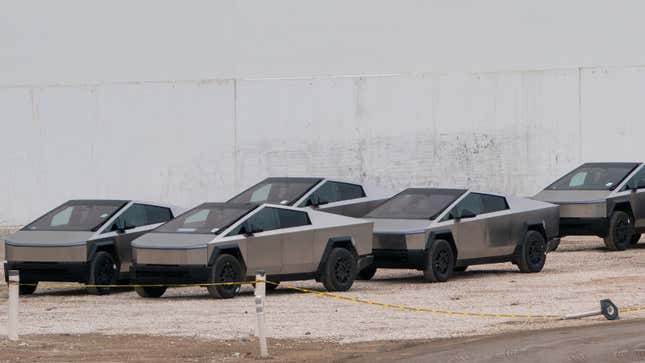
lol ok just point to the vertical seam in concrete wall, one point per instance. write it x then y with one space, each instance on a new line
580 114
434 104
524 115
361 138
35 116
235 141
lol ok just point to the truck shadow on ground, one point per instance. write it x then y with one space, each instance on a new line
469 274
249 293
599 248
80 291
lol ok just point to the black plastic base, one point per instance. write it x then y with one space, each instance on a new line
584 227
43 271
162 274
413 259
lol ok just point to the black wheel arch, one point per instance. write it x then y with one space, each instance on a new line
445 235
531 225
108 246
341 241
229 249
537 226
622 206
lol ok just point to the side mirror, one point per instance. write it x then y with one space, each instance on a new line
640 184
633 186
124 228
246 230
466 213
313 201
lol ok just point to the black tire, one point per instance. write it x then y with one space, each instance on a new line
635 239
103 271
150 291
226 268
532 252
621 229
367 273
339 270
27 287
440 262
460 268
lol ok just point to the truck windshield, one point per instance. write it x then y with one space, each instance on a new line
284 191
594 176
417 203
207 218
77 215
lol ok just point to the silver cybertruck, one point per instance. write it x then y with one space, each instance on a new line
440 231
229 242
86 241
601 199
332 196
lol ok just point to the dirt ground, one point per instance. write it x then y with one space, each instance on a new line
575 278
604 342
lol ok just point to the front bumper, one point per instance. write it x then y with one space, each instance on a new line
49 271
583 210
170 256
46 254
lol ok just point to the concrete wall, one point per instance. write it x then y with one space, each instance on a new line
191 101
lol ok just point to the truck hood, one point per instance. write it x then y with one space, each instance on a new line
156 240
572 196
48 238
383 225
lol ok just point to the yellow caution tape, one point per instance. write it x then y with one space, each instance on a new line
204 284
425 310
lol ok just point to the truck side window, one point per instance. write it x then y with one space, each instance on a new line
291 218
637 181
140 215
155 214
262 221
493 203
472 203
331 192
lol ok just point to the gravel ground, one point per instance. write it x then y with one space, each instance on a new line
574 279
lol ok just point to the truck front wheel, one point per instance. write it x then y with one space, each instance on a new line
621 229
103 271
339 271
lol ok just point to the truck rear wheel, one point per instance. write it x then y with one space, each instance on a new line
150 291
339 271
103 271
532 252
621 227
440 262
226 268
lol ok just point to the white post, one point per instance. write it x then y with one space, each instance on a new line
14 290
260 293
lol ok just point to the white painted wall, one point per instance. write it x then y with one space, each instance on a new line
191 101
